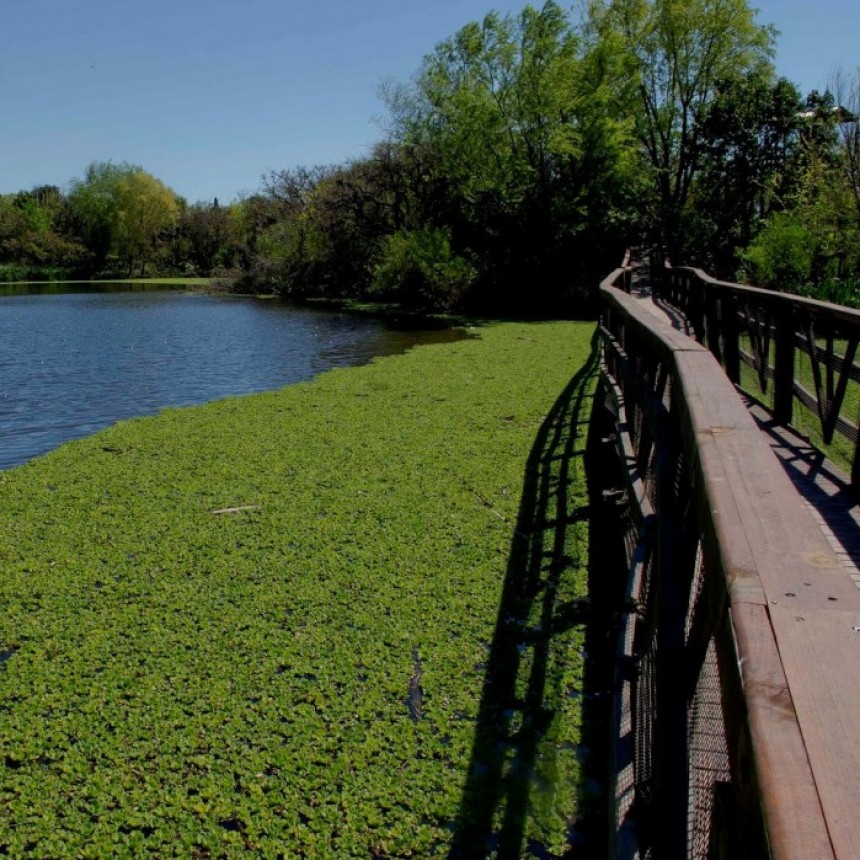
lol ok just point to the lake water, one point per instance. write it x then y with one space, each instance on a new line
72 363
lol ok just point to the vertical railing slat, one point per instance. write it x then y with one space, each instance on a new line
783 369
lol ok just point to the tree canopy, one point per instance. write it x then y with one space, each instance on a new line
518 143
122 210
674 54
525 154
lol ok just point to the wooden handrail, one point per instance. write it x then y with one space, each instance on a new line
738 720
780 327
850 315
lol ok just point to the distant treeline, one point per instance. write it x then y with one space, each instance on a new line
527 152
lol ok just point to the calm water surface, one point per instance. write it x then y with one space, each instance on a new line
73 363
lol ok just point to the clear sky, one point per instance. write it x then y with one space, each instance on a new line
209 94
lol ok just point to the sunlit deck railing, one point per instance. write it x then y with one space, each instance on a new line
736 720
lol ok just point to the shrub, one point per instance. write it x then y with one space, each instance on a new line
783 253
840 291
419 269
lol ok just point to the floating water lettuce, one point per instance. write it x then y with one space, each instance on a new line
261 627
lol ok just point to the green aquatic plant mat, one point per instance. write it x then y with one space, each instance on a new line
307 623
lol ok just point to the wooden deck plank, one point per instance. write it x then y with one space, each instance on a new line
824 487
786 546
795 818
820 651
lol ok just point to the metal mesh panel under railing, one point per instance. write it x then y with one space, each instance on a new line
644 709
708 758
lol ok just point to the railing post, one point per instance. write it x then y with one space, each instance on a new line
731 336
855 468
783 371
712 322
657 274
696 305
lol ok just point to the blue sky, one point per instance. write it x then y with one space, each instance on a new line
209 95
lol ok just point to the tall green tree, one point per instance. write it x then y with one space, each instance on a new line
506 120
749 144
846 89
813 242
209 239
93 200
122 211
145 208
676 52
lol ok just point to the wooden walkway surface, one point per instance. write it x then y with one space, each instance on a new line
823 486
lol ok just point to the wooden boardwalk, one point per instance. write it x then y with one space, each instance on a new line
793 601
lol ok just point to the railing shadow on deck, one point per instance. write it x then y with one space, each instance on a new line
818 344
823 486
520 696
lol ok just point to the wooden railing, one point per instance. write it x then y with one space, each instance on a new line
737 720
800 352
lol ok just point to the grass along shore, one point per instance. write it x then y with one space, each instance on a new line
155 282
336 620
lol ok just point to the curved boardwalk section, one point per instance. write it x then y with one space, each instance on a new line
738 689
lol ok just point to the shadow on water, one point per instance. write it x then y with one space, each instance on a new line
521 693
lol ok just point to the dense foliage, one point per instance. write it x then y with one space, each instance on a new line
526 153
304 675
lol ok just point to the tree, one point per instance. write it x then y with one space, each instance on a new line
846 89
783 253
286 241
144 209
93 200
122 210
209 236
329 224
816 240
676 52
419 269
35 234
749 142
505 119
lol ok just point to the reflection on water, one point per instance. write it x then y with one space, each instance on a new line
74 362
